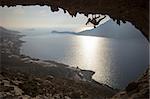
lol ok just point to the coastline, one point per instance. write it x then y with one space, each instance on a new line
29 78
13 65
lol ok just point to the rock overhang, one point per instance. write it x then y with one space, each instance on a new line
134 11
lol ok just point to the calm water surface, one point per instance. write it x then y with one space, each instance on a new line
115 61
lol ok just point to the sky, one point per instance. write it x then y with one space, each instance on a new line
41 17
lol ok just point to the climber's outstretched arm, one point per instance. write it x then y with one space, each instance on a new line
97 17
101 19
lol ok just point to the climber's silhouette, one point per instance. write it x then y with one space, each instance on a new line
94 21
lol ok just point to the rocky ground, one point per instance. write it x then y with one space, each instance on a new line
17 85
138 89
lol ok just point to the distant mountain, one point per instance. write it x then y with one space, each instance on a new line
8 33
64 32
111 29
4 30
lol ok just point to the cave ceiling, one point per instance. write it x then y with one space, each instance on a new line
134 11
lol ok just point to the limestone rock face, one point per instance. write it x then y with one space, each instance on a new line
136 90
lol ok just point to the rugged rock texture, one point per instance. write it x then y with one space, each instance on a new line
17 85
136 90
135 11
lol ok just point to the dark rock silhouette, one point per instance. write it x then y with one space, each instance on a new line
138 89
135 11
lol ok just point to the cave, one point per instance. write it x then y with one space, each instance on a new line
134 11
